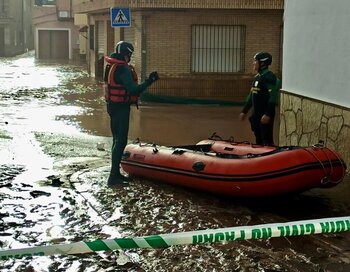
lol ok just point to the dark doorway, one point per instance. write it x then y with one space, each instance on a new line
53 44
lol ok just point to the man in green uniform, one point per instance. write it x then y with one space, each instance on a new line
262 99
121 91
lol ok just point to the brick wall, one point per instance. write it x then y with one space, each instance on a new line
82 6
169 42
167 39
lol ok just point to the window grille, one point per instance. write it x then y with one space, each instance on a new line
218 48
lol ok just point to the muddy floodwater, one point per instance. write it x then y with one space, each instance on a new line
54 161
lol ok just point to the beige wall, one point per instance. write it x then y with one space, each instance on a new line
47 17
64 5
16 35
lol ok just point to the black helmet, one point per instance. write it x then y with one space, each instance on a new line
263 57
124 49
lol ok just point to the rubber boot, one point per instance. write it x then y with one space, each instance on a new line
117 180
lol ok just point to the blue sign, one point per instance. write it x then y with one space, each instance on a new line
120 17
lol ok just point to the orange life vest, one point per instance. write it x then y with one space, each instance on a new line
115 92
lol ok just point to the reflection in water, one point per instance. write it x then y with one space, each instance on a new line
31 93
165 124
62 99
26 72
186 124
169 124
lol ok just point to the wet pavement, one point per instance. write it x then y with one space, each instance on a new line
54 147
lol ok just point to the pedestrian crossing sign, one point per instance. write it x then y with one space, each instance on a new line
120 17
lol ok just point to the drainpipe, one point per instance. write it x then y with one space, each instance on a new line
23 28
143 49
88 49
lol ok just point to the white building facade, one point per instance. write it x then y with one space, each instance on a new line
315 100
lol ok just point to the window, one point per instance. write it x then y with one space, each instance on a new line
51 2
100 38
3 6
218 48
44 2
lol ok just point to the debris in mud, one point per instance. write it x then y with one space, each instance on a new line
8 184
55 180
74 203
37 193
100 146
9 172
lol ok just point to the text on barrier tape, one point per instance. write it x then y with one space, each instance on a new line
265 231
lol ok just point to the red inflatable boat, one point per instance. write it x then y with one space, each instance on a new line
237 169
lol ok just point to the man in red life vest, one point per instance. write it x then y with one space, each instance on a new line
121 91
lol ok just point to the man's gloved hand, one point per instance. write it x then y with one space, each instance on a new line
153 77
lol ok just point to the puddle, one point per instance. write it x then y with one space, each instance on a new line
56 122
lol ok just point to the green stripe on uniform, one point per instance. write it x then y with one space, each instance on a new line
126 243
97 245
156 241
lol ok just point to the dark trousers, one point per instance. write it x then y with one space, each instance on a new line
263 133
119 123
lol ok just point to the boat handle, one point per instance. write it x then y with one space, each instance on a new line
126 155
198 166
155 149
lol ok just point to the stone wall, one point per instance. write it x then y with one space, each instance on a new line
304 122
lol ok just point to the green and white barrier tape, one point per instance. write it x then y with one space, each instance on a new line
327 225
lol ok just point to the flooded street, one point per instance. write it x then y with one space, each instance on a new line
53 185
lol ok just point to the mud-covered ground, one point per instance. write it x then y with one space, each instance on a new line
53 190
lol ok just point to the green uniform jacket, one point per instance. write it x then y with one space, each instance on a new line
263 94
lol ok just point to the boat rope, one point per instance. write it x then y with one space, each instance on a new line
326 179
196 237
215 136
341 162
76 178
136 141
232 141
254 155
323 147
